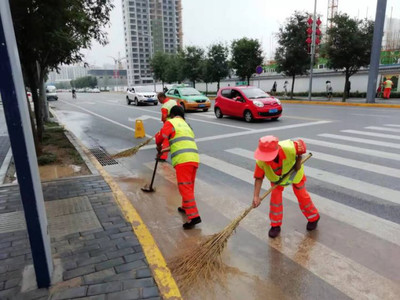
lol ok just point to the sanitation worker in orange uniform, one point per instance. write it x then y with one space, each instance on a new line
185 160
167 104
274 159
388 84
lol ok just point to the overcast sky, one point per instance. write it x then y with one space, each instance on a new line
209 21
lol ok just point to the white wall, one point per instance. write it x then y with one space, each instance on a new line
358 81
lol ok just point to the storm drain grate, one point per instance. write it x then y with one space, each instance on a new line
103 157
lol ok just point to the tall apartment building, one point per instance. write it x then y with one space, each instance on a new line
150 26
67 73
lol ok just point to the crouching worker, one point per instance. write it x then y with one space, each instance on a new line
273 160
185 160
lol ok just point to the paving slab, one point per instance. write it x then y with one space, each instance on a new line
98 252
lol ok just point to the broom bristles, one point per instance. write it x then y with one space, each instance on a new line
204 262
131 151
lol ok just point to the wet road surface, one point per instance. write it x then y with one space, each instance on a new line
353 179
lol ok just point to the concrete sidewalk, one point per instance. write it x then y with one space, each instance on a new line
95 252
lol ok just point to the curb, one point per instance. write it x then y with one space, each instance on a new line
341 103
5 166
162 274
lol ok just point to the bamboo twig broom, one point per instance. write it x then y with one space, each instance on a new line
202 263
131 151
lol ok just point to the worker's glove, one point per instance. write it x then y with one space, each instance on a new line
159 147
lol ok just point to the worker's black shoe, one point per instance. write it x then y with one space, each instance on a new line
192 223
274 231
312 225
181 210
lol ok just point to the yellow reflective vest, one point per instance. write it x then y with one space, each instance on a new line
183 147
168 105
290 160
388 84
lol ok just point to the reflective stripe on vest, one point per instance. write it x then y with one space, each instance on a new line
290 152
183 147
168 105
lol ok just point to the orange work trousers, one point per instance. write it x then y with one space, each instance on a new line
165 144
386 93
186 176
306 205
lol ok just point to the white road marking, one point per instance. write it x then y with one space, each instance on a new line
374 225
357 164
358 140
392 125
383 129
263 130
143 118
375 134
363 151
321 260
366 115
188 118
356 185
102 117
217 123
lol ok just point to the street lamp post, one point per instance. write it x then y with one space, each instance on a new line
314 26
376 50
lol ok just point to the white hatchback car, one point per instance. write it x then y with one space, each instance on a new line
51 93
141 95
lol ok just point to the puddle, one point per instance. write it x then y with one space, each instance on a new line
58 171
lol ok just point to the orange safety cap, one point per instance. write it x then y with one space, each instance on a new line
268 148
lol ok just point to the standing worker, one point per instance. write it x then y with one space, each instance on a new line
185 160
388 88
274 159
167 104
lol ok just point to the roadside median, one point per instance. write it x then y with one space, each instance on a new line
335 103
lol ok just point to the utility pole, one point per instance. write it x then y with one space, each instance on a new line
376 50
314 27
13 95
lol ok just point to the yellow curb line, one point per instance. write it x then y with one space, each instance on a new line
162 274
342 103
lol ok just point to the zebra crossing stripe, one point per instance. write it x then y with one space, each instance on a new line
321 260
374 134
393 125
359 140
358 164
363 151
374 225
383 129
342 181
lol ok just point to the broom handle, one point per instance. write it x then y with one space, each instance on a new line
245 213
284 177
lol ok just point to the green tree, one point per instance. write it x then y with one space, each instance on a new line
192 63
50 33
218 60
292 56
63 85
246 56
84 82
159 63
349 45
173 72
207 72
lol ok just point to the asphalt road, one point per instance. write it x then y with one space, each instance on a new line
353 179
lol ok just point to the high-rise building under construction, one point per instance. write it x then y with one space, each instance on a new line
150 26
